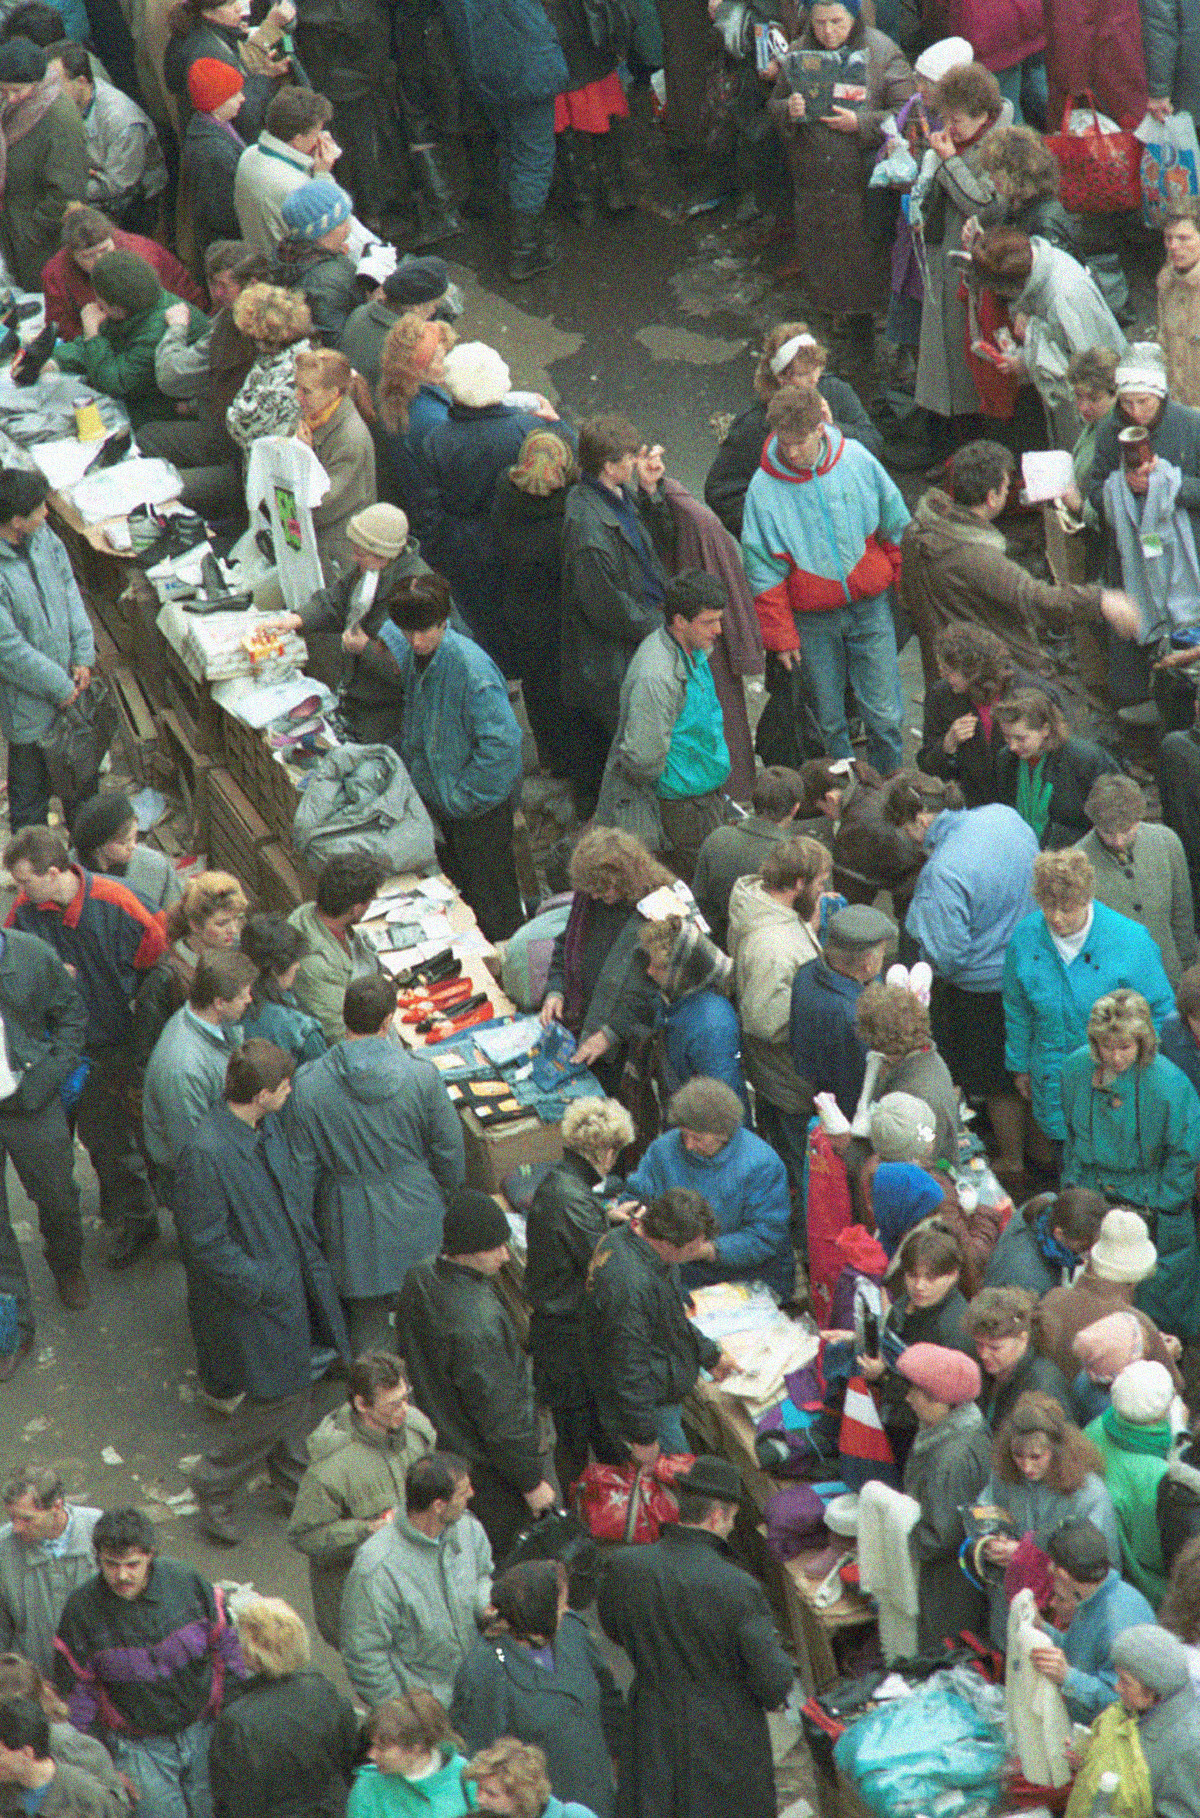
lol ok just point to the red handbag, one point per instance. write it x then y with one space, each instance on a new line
630 1503
1101 172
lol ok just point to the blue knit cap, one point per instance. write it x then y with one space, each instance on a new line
316 208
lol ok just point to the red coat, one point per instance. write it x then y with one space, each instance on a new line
1001 32
1096 44
67 288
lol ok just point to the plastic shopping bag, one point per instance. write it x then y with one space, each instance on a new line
1170 164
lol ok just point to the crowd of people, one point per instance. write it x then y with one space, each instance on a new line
778 1103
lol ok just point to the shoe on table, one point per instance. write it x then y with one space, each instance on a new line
218 1524
73 1290
128 1239
10 1361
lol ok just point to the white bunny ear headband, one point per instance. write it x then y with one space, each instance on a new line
918 979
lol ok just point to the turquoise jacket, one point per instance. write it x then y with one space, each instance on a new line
459 736
45 632
1136 1143
1091 1681
746 1185
1047 1004
282 1021
440 1795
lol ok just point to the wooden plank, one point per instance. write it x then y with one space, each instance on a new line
139 731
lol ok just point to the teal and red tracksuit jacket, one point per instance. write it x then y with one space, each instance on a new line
110 938
821 538
149 1666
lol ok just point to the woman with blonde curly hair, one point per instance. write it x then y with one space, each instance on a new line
1045 1471
527 523
892 1021
1025 174
597 983
790 355
1045 772
287 1744
410 395
1060 960
1133 1133
511 1779
279 324
568 1216
334 414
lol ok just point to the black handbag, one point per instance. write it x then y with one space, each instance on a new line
560 1535
78 739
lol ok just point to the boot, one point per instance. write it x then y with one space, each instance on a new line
531 249
436 214
578 177
615 192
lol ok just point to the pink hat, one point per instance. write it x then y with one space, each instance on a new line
949 1376
1103 1349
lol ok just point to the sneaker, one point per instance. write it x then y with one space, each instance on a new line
221 1404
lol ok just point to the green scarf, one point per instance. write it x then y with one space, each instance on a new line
1033 795
1153 1438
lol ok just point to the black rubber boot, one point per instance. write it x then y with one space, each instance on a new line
437 216
615 190
530 249
577 175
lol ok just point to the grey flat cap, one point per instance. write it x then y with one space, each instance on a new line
858 925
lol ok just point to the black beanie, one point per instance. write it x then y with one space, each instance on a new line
99 820
473 1223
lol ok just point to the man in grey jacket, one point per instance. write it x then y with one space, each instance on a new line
374 1126
45 1554
185 1076
31 1780
669 759
43 1024
417 1588
46 645
1154 1682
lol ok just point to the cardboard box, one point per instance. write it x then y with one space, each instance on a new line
493 1154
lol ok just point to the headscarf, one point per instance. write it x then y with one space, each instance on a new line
544 465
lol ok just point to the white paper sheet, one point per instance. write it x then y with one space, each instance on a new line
1047 473
63 462
117 491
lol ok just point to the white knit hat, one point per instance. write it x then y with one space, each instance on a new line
1123 1251
940 58
1143 368
1143 1392
474 374
902 1128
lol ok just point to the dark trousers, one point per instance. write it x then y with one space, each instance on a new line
258 1433
687 823
30 789
479 859
685 30
206 459
108 1130
579 1435
526 144
215 1367
590 740
502 1511
40 1148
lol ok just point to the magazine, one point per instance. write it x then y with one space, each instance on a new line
826 79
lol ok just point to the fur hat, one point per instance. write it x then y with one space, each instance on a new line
473 1222
475 375
1143 1392
211 82
100 820
902 1128
940 58
127 281
21 60
949 1376
1156 1658
1143 368
315 209
1109 1344
1123 1251
381 530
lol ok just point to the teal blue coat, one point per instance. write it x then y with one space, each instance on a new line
459 736
1047 1004
1138 1142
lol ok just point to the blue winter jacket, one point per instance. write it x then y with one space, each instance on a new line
1047 1004
746 1185
972 892
704 1036
459 736
1091 1681
1138 1143
45 632
430 407
507 50
827 1050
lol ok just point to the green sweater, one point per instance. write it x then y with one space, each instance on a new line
1135 1462
119 361
440 1795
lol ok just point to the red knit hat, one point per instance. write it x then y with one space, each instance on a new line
210 82
949 1376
